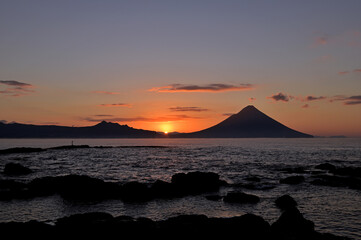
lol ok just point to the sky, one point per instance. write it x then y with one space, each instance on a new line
181 65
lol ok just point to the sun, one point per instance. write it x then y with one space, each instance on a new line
166 128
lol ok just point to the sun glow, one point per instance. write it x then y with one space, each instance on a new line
166 128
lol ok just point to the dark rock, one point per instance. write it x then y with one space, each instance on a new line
135 192
337 181
213 197
21 150
68 147
196 182
285 202
247 226
11 184
162 189
348 171
16 169
85 219
10 189
293 180
326 166
292 225
241 197
75 187
19 230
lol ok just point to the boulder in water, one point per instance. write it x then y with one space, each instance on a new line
241 197
16 169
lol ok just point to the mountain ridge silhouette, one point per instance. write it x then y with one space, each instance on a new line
248 123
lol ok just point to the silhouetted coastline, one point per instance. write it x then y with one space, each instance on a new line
248 123
290 225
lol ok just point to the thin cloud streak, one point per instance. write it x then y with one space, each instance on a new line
313 98
352 100
106 92
216 87
168 118
188 109
16 88
115 105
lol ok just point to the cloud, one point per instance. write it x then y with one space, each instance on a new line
313 98
168 118
103 115
322 40
343 73
15 88
347 72
306 106
227 114
115 105
351 100
15 83
280 97
188 109
215 87
105 92
325 59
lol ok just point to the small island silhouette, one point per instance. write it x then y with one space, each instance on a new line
248 123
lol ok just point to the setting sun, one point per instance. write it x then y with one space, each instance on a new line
166 128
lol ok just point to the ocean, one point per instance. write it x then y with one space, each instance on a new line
333 209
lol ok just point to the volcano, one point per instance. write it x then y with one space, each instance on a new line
248 123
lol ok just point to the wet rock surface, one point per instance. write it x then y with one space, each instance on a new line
85 188
16 169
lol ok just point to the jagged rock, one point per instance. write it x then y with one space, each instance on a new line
16 169
292 225
285 202
326 166
196 182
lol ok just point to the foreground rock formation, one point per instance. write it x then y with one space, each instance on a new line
290 225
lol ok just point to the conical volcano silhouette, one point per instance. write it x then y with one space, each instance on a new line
248 123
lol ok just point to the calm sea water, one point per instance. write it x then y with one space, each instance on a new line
334 210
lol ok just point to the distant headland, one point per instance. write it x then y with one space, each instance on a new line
248 123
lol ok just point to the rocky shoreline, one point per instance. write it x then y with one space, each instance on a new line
290 225
85 189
